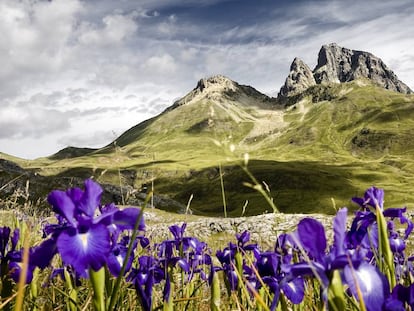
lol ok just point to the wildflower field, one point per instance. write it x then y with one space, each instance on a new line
98 257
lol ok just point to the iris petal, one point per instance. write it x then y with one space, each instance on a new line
91 197
267 264
294 290
339 228
42 254
85 250
15 269
312 236
372 284
308 269
178 232
116 260
75 194
125 219
375 196
63 205
275 289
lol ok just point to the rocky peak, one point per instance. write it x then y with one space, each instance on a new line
298 80
222 89
215 83
337 65
334 64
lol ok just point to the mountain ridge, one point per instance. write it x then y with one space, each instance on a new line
338 65
218 86
332 139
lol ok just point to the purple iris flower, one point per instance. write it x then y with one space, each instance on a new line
184 252
321 263
285 246
372 284
227 258
118 254
373 197
11 258
363 234
8 244
145 277
182 242
83 238
198 259
401 297
269 268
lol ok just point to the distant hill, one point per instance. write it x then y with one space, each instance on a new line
319 143
71 152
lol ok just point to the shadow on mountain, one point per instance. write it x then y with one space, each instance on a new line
296 187
71 152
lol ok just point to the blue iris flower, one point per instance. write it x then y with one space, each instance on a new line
83 236
311 236
268 266
148 273
11 257
227 258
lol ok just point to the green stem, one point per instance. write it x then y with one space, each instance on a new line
115 291
98 284
73 295
385 249
223 194
215 293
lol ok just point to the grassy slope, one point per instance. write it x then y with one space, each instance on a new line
326 149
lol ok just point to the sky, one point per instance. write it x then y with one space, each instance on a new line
81 72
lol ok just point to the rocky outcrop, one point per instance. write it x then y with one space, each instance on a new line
299 79
263 229
338 65
220 88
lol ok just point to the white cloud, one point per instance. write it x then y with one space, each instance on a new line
90 67
115 28
34 41
161 64
36 121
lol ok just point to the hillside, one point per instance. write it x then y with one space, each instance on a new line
307 153
311 149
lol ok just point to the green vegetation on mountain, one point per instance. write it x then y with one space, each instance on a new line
321 147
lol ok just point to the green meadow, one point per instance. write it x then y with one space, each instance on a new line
314 152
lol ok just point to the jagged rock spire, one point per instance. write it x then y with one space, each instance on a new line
336 65
298 80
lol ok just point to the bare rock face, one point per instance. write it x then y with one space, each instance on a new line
338 65
220 88
299 79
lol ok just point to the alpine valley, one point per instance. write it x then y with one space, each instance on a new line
330 133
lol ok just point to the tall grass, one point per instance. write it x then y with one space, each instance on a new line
364 267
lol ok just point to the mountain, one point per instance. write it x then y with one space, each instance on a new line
333 140
338 65
216 107
71 152
299 79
